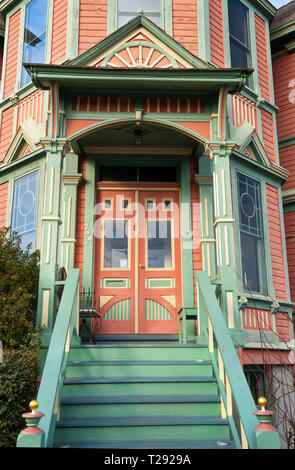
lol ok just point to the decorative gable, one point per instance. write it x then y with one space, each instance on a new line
25 141
139 44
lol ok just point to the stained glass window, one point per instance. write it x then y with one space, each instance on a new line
24 208
251 233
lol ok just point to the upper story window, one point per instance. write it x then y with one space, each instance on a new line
34 47
24 208
128 9
238 34
251 234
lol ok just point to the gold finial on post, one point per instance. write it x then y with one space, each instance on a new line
33 405
262 401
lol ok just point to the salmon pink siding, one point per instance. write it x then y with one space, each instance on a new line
267 122
59 31
276 242
93 23
290 243
6 131
287 160
12 54
79 248
1 62
283 72
262 57
185 24
283 325
216 32
3 203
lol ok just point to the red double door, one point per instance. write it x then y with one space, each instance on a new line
138 259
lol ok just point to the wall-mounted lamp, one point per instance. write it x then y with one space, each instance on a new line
138 136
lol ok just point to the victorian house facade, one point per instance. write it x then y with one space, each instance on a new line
139 153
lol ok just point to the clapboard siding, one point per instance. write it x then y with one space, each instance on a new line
216 32
262 56
268 133
283 68
93 23
196 225
287 160
185 24
289 218
276 246
3 203
6 130
59 31
12 54
79 248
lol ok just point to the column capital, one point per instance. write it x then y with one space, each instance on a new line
219 149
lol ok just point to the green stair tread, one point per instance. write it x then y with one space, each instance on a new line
198 362
150 444
173 379
125 421
110 399
135 344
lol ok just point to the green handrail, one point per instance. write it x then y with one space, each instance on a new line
54 369
210 314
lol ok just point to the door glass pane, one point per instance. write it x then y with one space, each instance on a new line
116 244
159 244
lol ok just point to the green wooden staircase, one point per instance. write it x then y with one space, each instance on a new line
145 395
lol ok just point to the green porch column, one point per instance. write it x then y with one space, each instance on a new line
49 240
224 234
70 180
205 181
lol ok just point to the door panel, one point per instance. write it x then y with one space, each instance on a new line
138 260
160 260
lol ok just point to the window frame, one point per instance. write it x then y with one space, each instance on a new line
38 205
22 8
264 268
23 27
251 44
166 16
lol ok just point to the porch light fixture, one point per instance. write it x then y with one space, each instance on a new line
138 115
138 136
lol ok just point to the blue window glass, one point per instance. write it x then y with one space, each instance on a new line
34 36
127 9
238 34
24 208
251 233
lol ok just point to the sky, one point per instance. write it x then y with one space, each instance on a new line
279 3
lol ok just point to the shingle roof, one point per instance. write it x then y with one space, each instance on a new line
284 15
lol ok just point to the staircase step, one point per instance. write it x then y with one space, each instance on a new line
140 405
137 368
153 444
141 427
132 351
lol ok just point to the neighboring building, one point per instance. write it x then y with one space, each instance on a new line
139 145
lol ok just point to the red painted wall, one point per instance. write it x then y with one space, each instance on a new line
12 54
185 24
59 31
262 57
216 32
6 131
267 122
290 243
283 73
93 23
3 203
275 239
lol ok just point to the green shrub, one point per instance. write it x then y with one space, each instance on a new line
18 386
19 276
18 293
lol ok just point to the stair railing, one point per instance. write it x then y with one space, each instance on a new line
49 395
235 395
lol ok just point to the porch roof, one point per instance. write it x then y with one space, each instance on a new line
140 79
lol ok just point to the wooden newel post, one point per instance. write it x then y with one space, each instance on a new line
266 435
32 435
